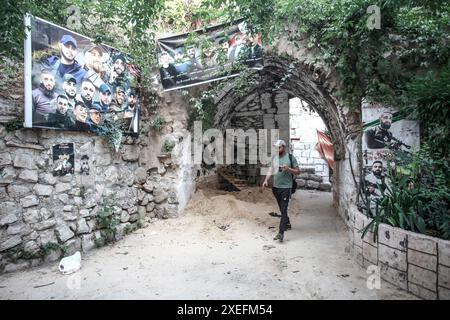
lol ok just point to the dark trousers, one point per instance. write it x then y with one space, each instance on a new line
282 195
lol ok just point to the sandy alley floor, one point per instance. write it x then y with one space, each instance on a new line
221 248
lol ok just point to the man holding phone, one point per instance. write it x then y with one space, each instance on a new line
283 179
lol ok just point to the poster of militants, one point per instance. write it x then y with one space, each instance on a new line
63 159
384 132
204 56
75 84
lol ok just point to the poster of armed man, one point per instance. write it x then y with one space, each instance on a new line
74 84
208 55
384 132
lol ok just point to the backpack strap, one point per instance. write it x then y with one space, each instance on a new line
290 158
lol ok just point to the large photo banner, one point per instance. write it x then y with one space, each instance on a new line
385 132
207 55
73 84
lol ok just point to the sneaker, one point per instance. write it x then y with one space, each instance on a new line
279 236
288 226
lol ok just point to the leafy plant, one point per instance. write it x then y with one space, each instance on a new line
15 124
158 123
112 131
417 198
107 222
429 103
168 146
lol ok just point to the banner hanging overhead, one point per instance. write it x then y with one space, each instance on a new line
73 84
207 55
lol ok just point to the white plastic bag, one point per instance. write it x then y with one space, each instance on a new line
71 263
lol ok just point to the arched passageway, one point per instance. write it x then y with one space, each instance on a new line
266 106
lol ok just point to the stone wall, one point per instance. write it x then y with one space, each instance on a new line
414 262
42 215
304 124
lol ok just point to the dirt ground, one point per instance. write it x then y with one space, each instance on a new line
222 247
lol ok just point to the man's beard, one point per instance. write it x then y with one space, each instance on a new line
119 71
65 57
71 96
378 174
385 126
96 67
46 92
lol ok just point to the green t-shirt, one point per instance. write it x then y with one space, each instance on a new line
283 179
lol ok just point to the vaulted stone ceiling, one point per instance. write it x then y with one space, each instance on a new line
313 85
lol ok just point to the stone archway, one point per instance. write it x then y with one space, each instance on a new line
264 107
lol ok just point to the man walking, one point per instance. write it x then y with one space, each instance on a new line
283 177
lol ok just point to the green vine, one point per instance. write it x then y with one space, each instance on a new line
15 124
158 123
107 222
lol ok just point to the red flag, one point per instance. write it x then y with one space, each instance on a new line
325 147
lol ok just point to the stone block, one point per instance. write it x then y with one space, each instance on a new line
87 242
310 184
64 233
7 218
24 160
369 238
393 276
8 175
444 293
84 213
422 243
18 191
29 201
392 237
18 228
140 175
148 186
31 247
357 237
422 292
47 236
47 224
124 217
45 214
48 178
82 226
423 260
150 207
31 216
358 254
359 220
62 187
67 215
64 198
43 190
370 253
11 242
301 183
444 252
130 153
444 276
5 159
73 245
160 195
422 277
29 175
392 258
325 187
